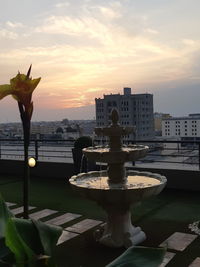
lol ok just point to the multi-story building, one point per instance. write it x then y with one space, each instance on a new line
158 117
134 110
185 128
44 127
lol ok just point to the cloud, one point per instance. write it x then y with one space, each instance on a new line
14 24
190 42
8 34
94 50
62 4
151 31
84 27
122 59
110 13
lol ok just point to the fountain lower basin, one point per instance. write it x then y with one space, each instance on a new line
116 200
138 185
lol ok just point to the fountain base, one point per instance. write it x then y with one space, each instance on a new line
119 231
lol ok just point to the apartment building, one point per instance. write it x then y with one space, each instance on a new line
134 110
185 128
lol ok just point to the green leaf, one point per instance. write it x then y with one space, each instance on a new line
23 253
4 251
5 89
49 235
29 234
139 256
5 214
29 72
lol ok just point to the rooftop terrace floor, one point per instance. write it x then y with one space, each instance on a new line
160 217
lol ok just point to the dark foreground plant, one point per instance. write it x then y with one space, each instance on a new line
137 256
26 242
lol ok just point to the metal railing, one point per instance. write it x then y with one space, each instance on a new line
187 152
165 153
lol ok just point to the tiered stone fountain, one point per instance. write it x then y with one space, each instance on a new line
116 189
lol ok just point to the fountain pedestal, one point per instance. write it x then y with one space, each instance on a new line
116 173
119 231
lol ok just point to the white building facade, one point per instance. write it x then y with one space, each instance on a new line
134 110
185 128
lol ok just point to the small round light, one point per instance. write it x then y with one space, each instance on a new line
31 162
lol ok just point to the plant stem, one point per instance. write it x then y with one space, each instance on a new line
26 179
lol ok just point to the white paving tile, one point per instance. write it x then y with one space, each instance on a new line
178 241
195 263
62 219
20 210
9 204
83 226
65 236
167 258
41 214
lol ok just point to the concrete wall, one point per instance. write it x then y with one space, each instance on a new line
177 179
42 169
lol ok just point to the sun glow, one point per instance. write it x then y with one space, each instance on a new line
99 48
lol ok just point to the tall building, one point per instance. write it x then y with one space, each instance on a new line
134 110
185 128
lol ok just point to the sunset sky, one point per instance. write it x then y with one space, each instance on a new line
83 49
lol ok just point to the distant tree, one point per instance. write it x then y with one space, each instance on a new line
59 130
65 121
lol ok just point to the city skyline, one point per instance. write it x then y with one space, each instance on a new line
84 49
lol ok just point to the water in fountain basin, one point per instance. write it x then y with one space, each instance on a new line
93 138
82 163
133 182
100 163
101 144
104 149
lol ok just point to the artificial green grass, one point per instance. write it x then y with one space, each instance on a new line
54 194
160 216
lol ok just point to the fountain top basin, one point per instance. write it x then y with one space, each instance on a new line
125 154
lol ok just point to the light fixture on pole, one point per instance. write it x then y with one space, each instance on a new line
31 162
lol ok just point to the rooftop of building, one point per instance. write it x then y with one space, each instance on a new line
126 93
190 117
160 217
